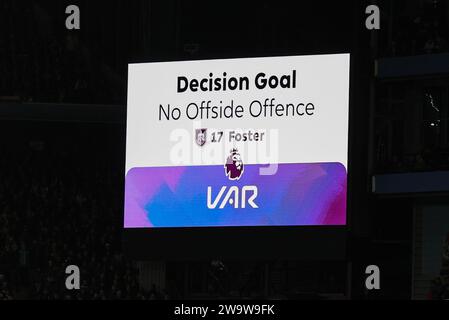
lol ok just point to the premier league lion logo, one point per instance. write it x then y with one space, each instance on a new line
234 165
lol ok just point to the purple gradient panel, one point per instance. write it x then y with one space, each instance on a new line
297 195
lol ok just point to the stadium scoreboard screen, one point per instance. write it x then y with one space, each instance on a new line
253 142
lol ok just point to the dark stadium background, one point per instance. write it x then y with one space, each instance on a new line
62 146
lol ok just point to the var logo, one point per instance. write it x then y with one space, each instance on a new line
232 195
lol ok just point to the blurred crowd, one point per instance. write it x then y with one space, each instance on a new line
61 207
4 290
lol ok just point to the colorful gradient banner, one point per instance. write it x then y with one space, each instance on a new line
297 195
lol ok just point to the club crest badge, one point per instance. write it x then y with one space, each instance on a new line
201 137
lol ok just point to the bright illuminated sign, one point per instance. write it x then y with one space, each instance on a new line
237 142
